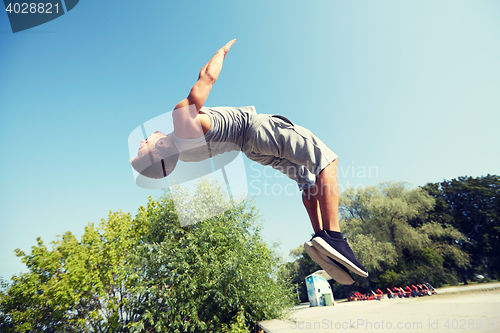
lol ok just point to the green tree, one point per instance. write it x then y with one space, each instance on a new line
389 229
472 205
211 274
150 274
78 286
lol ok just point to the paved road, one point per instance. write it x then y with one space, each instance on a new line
450 311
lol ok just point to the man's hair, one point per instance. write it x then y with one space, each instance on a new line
166 159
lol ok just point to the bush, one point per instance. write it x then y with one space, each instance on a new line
149 274
212 274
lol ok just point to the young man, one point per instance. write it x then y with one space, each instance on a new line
201 132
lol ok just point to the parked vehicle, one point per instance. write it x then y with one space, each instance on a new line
408 292
414 291
374 296
431 288
391 294
356 296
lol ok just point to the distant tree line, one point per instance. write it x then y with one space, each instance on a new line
472 205
442 233
149 274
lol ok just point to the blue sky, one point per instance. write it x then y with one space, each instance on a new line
406 90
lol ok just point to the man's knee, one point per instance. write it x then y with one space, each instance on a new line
330 169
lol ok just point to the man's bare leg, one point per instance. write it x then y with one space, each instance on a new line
312 206
322 200
310 199
327 194
330 241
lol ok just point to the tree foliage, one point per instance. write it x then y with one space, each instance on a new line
389 229
440 233
150 274
209 274
472 205
78 285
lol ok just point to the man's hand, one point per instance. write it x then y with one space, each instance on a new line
225 48
212 69
186 117
208 75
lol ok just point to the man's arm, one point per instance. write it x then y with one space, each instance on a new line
199 93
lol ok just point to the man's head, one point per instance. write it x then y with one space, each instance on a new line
157 156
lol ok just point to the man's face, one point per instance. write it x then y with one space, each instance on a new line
150 142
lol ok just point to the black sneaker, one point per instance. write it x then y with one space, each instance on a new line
336 271
338 250
314 235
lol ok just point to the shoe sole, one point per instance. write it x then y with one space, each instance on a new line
335 272
322 246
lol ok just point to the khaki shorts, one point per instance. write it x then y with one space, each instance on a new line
288 148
